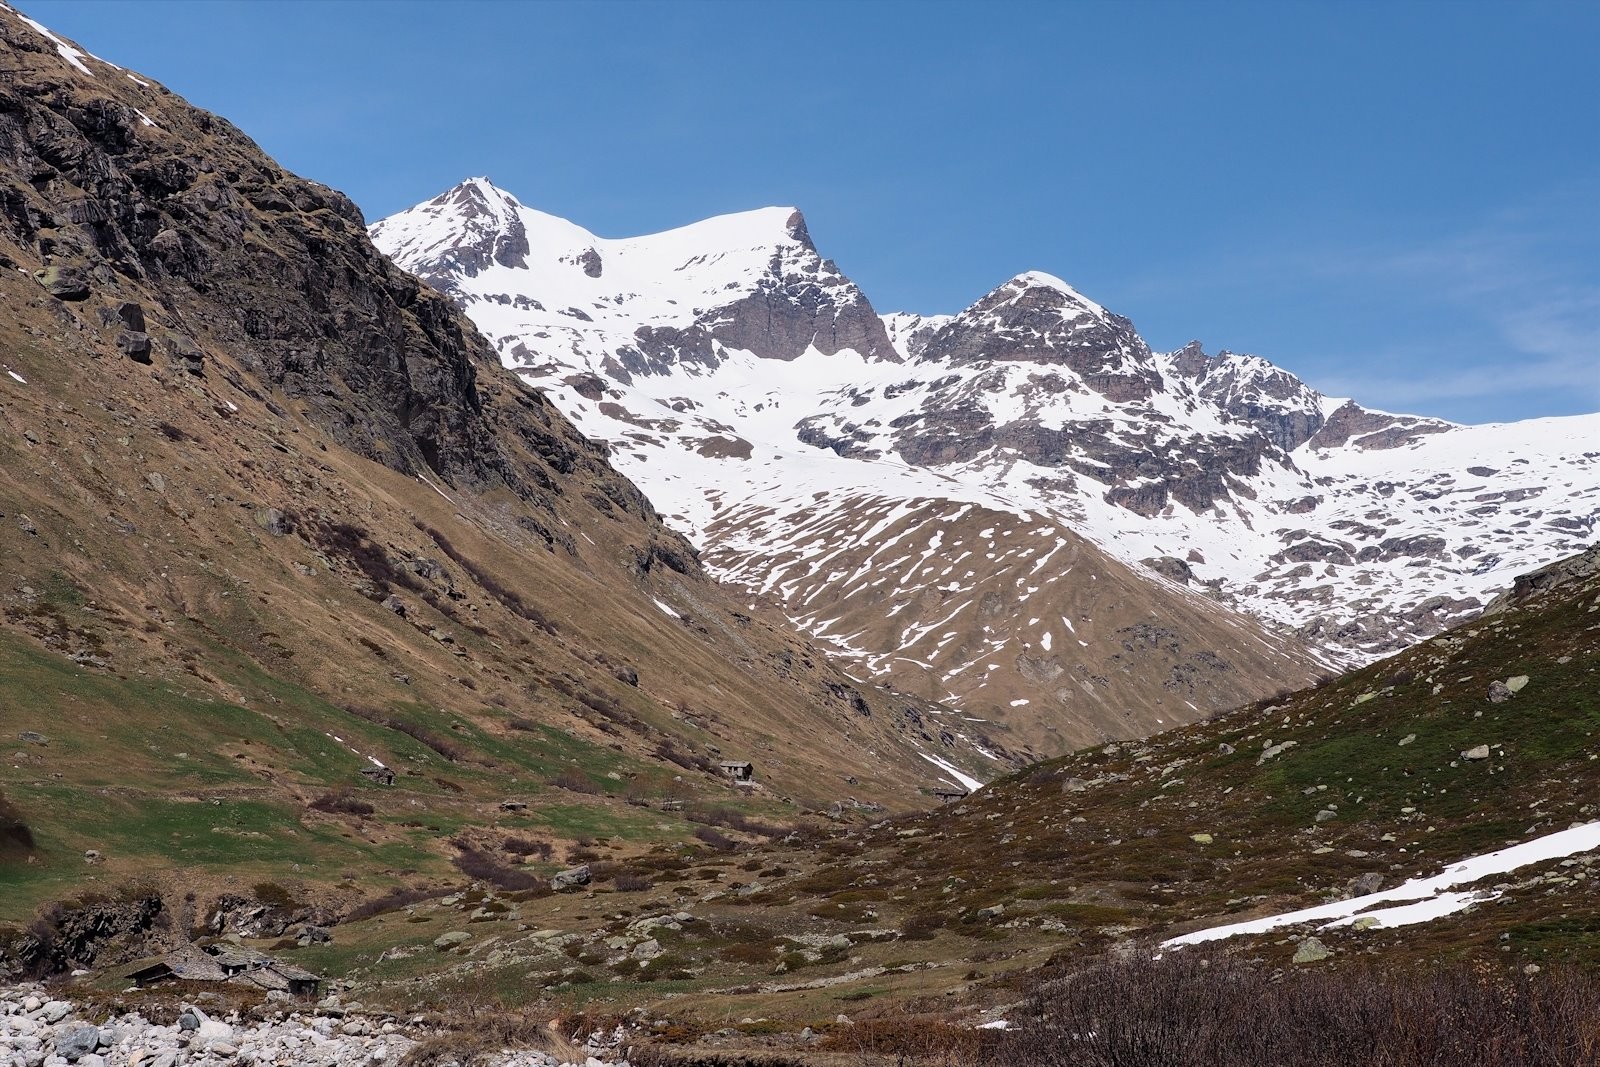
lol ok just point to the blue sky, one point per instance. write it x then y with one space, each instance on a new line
1397 201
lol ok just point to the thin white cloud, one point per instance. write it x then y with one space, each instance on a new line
1508 309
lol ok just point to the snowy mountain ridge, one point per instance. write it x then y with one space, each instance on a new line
754 393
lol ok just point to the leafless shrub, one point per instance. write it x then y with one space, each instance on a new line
482 1027
574 782
355 546
734 819
1184 1009
393 900
485 868
421 734
716 840
341 802
522 846
16 838
510 599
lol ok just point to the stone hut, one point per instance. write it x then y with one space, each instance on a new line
738 770
227 963
949 794
187 964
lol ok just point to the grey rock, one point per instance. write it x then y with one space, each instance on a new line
451 940
33 737
1311 951
395 604
1498 693
273 521
65 283
187 355
131 315
313 935
134 344
571 878
78 1042
1363 884
1274 751
1479 752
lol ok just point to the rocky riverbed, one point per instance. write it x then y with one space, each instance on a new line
39 1030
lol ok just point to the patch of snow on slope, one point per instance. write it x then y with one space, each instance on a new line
1426 898
966 780
73 56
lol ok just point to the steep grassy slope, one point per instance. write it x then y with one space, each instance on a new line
271 511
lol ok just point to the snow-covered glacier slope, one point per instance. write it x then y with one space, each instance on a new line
911 487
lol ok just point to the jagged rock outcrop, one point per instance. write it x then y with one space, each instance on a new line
1533 586
1040 319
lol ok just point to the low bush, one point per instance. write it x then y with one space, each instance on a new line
522 846
485 868
393 900
442 745
339 802
16 838
734 819
574 782
719 841
1185 1009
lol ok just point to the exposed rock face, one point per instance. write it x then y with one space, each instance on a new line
489 234
101 934
1250 390
200 213
1533 586
1350 423
802 302
1039 319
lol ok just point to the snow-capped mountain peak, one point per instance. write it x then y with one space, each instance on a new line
1074 304
1225 473
620 307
